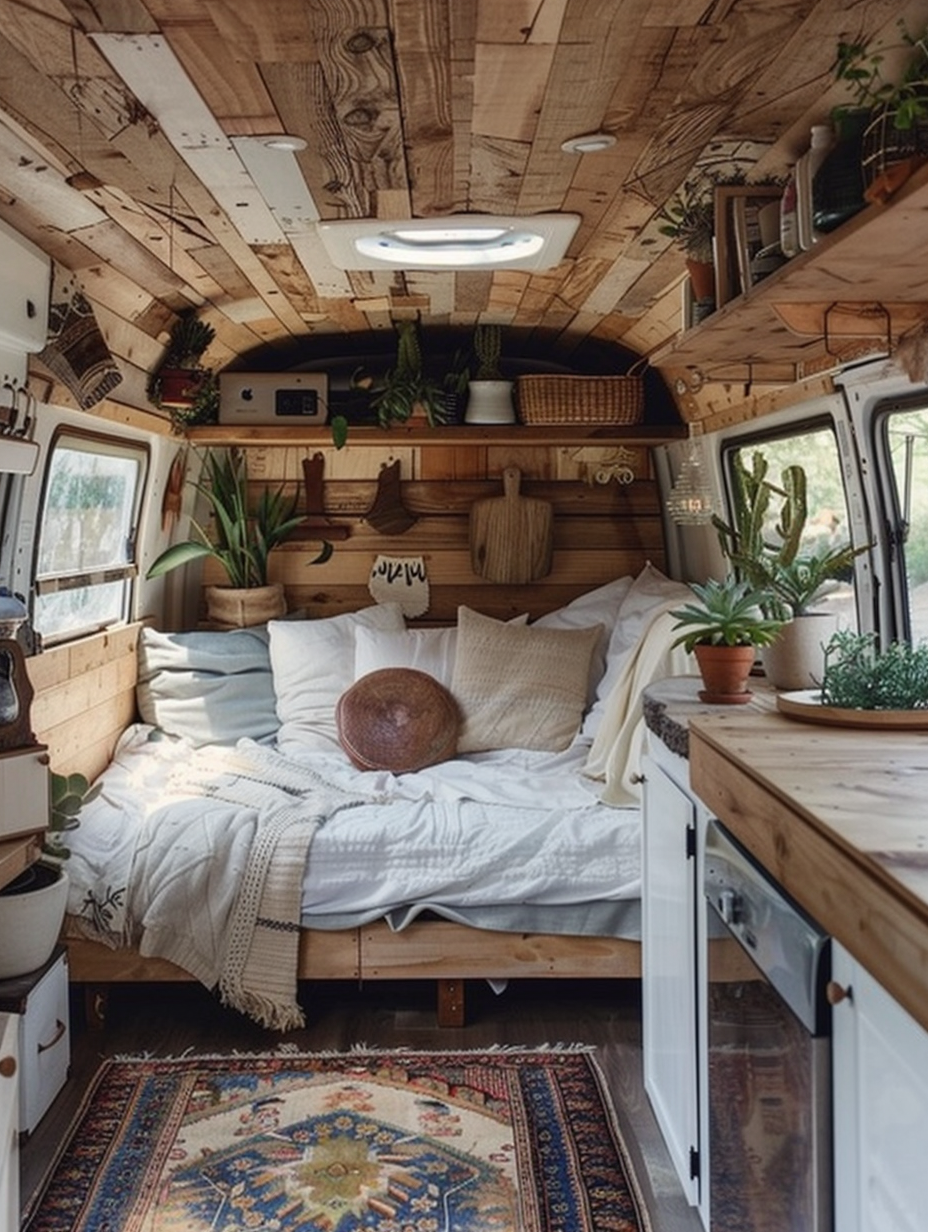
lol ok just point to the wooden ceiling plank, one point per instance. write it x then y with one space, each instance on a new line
232 87
421 45
267 31
509 86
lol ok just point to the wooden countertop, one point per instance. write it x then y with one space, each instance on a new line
839 816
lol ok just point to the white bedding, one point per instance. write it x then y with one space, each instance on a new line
511 827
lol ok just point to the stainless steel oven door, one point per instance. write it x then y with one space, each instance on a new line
769 1052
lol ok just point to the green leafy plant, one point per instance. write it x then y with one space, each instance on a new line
68 793
729 613
204 409
860 66
689 219
860 676
242 538
401 390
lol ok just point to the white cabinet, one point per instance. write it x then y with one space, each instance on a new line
880 1058
672 956
38 1004
9 1122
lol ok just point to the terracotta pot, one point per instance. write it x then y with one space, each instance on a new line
702 278
725 671
231 608
179 386
796 660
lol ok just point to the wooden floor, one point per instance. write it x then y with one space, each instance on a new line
167 1020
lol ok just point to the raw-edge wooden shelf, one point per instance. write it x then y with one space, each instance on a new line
875 258
405 434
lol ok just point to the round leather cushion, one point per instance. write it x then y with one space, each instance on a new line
399 719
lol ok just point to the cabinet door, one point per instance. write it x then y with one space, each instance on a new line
9 1121
668 960
880 1065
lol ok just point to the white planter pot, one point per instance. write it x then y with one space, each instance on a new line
796 660
30 920
490 402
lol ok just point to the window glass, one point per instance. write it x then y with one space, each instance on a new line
827 522
86 551
905 437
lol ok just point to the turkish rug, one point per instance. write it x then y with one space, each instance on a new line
495 1141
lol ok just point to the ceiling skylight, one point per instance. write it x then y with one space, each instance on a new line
465 241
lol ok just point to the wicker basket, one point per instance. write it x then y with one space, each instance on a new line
554 399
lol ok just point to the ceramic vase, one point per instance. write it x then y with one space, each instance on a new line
796 660
490 402
31 914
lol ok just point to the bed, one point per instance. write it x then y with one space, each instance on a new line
242 839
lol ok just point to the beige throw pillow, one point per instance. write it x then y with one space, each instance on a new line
520 687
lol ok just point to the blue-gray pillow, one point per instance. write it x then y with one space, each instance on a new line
212 688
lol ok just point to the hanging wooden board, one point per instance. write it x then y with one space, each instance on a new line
511 535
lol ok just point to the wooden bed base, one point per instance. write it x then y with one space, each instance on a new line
441 950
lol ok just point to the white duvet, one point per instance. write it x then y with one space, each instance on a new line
511 827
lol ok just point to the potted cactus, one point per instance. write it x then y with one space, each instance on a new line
489 399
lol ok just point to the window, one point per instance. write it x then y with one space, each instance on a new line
86 551
827 522
902 436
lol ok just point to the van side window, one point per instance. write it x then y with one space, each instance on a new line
903 436
85 561
827 523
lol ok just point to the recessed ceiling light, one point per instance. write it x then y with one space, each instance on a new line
283 141
479 241
589 143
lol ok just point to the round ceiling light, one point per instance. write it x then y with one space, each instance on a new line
283 141
589 143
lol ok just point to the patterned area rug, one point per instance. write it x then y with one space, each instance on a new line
497 1141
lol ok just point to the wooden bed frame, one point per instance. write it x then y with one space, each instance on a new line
104 669
440 950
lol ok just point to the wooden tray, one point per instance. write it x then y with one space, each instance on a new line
807 706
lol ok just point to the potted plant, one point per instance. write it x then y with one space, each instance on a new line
770 559
178 377
689 219
402 392
723 630
859 675
895 140
33 905
489 396
241 541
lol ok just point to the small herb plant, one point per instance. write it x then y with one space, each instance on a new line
860 676
860 67
689 218
729 613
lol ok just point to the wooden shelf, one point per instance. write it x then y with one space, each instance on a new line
16 854
422 435
862 278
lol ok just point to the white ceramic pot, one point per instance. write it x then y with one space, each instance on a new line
490 402
796 660
31 914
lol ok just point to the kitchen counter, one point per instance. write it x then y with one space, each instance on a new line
838 816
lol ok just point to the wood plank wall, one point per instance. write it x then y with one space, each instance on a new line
84 698
601 531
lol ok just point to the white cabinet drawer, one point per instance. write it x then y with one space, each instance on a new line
9 1121
44 1036
23 791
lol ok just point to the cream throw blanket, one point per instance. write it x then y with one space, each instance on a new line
615 754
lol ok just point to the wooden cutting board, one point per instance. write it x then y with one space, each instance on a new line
510 535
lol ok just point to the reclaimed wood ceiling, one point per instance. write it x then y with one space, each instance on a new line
410 108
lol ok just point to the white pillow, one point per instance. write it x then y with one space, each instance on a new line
520 687
595 607
313 663
426 650
649 593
